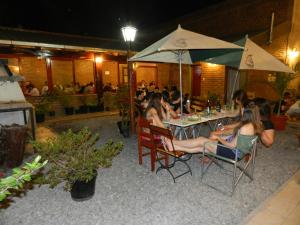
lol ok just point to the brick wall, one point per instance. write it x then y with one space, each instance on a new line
229 19
84 71
213 79
111 76
146 73
62 72
34 70
163 74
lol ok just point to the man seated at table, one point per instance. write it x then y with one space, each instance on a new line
294 111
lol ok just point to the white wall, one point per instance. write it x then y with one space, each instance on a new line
11 92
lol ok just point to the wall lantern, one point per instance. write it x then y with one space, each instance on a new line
99 59
292 54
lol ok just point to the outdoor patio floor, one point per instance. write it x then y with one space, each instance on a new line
129 193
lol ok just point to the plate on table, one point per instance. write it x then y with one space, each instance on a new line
193 118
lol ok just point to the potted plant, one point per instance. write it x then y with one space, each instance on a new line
281 83
83 108
41 108
123 103
74 159
92 105
66 102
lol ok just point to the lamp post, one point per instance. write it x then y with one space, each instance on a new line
129 35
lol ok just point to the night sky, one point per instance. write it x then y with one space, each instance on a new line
92 17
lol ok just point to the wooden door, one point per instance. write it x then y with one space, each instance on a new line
196 80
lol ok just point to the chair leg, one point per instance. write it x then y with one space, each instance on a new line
152 159
140 149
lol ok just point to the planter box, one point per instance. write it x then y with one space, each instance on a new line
279 121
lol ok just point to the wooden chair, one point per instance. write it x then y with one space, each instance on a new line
177 155
145 141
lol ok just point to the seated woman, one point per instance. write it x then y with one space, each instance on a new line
249 126
267 135
239 98
158 110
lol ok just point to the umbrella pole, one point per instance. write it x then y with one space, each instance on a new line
180 80
234 84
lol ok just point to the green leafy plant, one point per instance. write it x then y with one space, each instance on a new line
74 157
213 97
65 100
19 177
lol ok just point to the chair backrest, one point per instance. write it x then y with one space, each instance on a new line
246 143
144 129
163 133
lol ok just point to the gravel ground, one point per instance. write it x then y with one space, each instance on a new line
128 193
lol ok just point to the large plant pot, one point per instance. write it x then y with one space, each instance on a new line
14 145
124 130
51 113
69 110
83 109
82 191
39 118
279 121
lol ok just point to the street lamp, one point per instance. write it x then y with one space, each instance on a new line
129 35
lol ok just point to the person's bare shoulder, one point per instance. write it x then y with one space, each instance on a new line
247 129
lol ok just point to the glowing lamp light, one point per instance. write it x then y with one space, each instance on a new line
293 53
212 64
128 33
99 59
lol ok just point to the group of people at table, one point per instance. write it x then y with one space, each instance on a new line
254 120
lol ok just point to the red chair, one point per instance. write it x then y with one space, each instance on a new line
145 141
177 155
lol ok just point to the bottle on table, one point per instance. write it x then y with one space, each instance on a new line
208 107
188 105
218 106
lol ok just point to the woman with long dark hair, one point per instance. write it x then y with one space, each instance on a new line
267 136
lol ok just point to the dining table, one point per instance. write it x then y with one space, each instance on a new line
192 123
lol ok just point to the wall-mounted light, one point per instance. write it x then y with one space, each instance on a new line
99 59
293 53
212 64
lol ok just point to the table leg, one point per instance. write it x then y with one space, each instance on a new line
24 116
32 123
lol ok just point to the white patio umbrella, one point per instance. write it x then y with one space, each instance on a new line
252 58
180 46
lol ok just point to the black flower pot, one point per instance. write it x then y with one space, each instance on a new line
82 191
51 113
69 110
83 109
124 129
93 108
100 108
40 118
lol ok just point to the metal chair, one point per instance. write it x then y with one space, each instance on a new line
240 164
145 141
177 155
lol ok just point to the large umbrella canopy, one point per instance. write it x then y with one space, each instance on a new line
166 49
180 46
252 58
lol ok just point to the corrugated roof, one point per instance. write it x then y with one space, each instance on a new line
13 34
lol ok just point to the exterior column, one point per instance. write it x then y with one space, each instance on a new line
98 78
132 90
49 73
